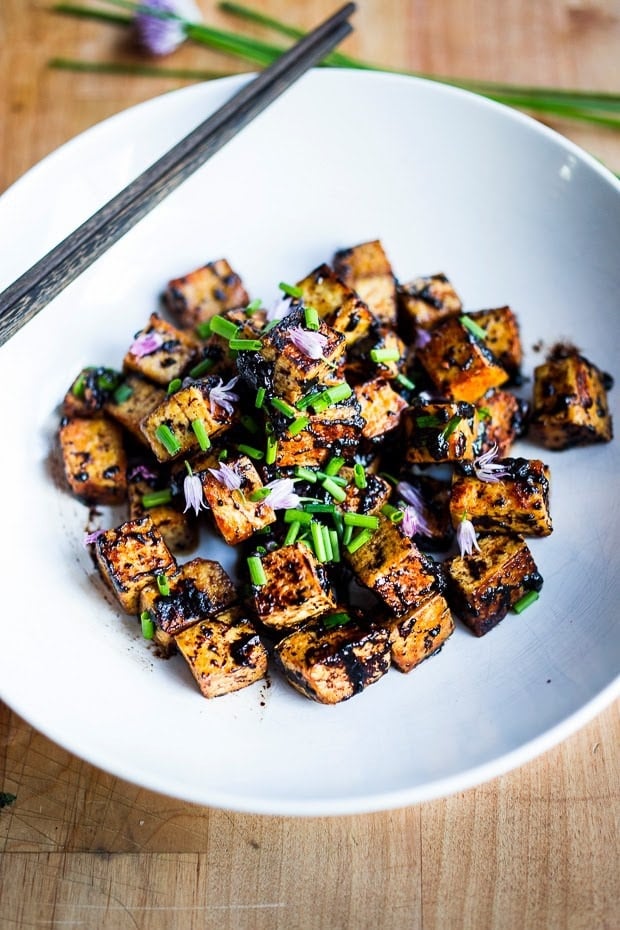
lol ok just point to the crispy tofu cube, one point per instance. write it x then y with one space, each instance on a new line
420 632
236 516
133 408
367 269
129 556
441 432
94 459
425 302
368 500
197 589
502 337
339 305
570 401
179 529
518 502
392 566
90 391
337 430
176 414
335 656
224 653
380 406
296 589
483 586
174 354
460 365
205 292
502 418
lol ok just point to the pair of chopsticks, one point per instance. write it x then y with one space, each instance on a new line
23 299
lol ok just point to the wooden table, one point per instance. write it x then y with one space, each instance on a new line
535 849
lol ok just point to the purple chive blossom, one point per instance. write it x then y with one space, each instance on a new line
142 471
227 476
281 308
410 495
222 395
161 35
307 341
466 537
146 344
413 523
90 538
282 494
422 338
192 489
487 469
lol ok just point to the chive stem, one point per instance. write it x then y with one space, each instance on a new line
338 493
167 438
292 533
526 601
473 327
317 541
361 519
257 572
157 498
358 541
359 475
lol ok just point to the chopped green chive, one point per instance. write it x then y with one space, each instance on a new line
250 424
163 585
174 385
271 449
292 533
484 412
122 393
157 498
79 385
341 482
107 381
395 514
167 438
332 620
293 515
317 541
405 382
299 424
451 425
201 435
282 407
224 327
222 455
203 330
254 306
334 465
426 421
338 522
260 398
251 452
384 355
246 345
147 625
311 318
338 392
308 400
257 572
334 489
333 538
361 519
360 540
319 508
473 327
327 543
359 475
201 368
306 474
524 602
259 494
290 289
347 534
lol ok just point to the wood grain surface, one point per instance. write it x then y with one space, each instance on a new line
535 849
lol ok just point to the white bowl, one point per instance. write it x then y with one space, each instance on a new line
450 182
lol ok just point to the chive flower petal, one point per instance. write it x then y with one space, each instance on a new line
466 537
310 343
227 476
222 395
192 489
487 469
161 35
282 494
146 344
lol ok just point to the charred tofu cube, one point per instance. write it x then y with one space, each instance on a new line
420 632
129 557
483 586
337 304
94 459
425 302
392 566
502 337
160 352
196 590
380 406
441 432
570 401
178 529
367 269
224 653
502 418
369 499
459 363
335 430
335 656
169 428
134 403
90 391
205 292
228 488
296 588
517 502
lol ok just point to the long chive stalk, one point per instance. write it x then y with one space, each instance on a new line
126 68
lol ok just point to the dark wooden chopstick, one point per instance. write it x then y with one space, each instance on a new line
33 290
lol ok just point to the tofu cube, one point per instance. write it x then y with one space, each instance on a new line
224 653
502 337
380 406
518 502
337 430
367 269
459 364
440 432
210 290
420 632
94 459
483 586
236 516
131 411
336 303
502 418
424 302
296 589
570 401
392 566
335 656
368 500
129 556
197 589
179 529
174 352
